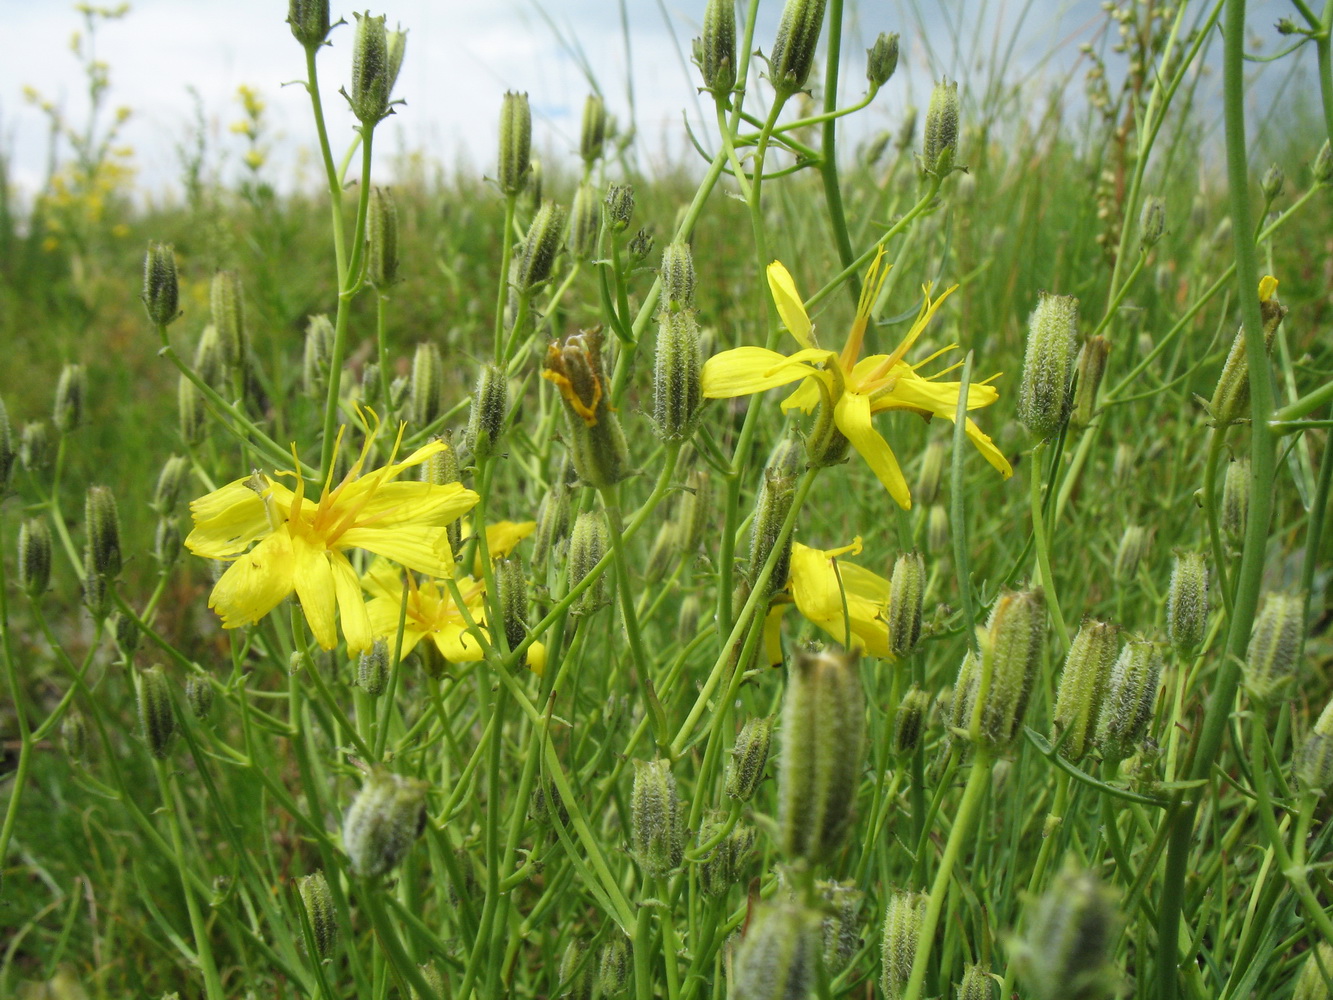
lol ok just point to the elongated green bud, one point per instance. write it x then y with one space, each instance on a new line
793 52
902 927
1044 396
74 736
319 910
977 984
1087 671
1012 641
102 523
166 542
585 222
425 400
613 967
1274 642
677 389
715 50
441 469
619 207
906 597
909 722
34 556
777 491
371 80
655 821
727 863
1091 370
1134 544
199 696
1131 695
940 145
882 59
1322 168
386 816
317 355
823 745
1235 511
515 143
127 635
1231 398
382 239
190 409
840 929
170 482
588 542
593 133
1187 602
309 20
1272 182
161 295
677 274
927 488
1312 983
536 256
71 390
937 529
512 588
777 958
490 411
157 717
746 768
696 509
575 972
1066 951
553 516
1152 221
596 442
227 305
1314 760
372 668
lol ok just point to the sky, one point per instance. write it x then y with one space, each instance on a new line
173 62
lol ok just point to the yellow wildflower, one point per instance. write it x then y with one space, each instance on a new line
302 544
855 388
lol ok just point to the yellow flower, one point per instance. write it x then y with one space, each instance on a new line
822 585
855 388
302 544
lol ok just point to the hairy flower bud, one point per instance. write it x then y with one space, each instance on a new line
34 556
425 398
677 389
1316 971
909 722
593 133
1152 221
309 20
157 717
191 411
640 246
677 275
1272 182
512 590
227 305
793 52
386 816
536 255
372 75
906 596
1012 643
902 927
575 971
74 735
695 511
585 222
937 529
1187 601
1231 398
613 967
170 482
839 928
71 389
1082 690
382 239
823 745
596 442
1322 168
515 143
1066 951
726 864
1044 397
199 696
1275 640
715 51
619 203
778 958
1131 695
161 295
319 910
166 542
372 668
1134 544
1091 370
1235 510
940 146
976 985
927 488
102 523
882 59
746 768
490 409
655 822
776 494
1314 760
588 543
553 517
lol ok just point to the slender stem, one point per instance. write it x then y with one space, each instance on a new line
1043 545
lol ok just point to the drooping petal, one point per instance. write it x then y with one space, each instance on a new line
912 392
501 537
255 583
805 397
313 578
773 634
227 521
351 605
845 600
852 416
382 613
789 304
415 503
456 644
986 446
423 549
746 370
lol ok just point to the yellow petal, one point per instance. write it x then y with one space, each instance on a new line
852 416
415 503
456 644
846 601
227 521
382 613
351 606
746 370
255 583
313 579
1267 286
423 549
501 537
789 304
805 397
986 446
911 392
773 634
536 658
384 579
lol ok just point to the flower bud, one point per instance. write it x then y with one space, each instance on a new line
384 819
696 510
512 591
726 864
426 395
927 488
515 143
227 305
1231 398
1272 182
640 246
102 523
677 274
1316 971
715 51
309 20
126 634
490 408
1235 511
588 543
1275 641
440 470
170 481
1044 398
882 59
840 929
1187 602
677 389
1131 695
655 820
318 903
71 388
157 718
74 735
1087 671
1322 169
1066 951
8 452
777 960
382 239
619 204
596 442
823 745
372 668
937 529
161 296
166 542
1091 369
34 556
793 52
613 967
940 145
1314 760
190 410
593 133
902 927
976 985
1152 221
317 355
536 256
575 972
909 722
199 696
1134 544
585 222
371 71
746 768
772 505
553 515
906 596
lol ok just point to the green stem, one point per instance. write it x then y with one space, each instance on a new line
1043 546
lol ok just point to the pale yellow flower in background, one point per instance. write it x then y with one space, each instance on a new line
855 387
301 545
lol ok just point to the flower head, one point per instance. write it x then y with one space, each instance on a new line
301 545
851 387
847 601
